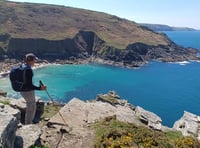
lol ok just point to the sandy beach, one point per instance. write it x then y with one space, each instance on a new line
6 67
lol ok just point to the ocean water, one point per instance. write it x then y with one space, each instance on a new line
185 38
167 89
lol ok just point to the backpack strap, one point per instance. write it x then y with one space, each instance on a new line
24 75
26 67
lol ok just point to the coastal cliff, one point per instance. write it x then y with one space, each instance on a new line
88 46
64 33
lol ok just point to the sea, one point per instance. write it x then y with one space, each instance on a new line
167 89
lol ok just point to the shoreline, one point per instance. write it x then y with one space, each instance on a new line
5 72
6 66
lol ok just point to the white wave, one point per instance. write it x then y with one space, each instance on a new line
182 63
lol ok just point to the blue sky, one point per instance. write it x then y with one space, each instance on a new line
178 13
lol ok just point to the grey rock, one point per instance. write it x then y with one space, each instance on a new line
149 118
3 93
188 124
8 128
27 135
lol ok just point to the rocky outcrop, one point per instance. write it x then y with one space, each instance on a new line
87 45
188 124
83 45
72 125
20 104
12 131
3 93
7 130
77 116
27 136
150 119
9 119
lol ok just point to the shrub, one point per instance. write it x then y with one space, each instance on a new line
111 133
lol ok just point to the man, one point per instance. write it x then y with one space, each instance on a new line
28 92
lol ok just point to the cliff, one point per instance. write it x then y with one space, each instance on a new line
107 120
57 32
87 45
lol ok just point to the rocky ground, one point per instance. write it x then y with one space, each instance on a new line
72 125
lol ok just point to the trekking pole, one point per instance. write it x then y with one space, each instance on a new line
41 84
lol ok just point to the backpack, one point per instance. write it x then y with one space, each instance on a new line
18 77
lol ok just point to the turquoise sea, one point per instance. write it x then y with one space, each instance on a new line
167 89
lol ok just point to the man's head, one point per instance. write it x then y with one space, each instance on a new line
30 57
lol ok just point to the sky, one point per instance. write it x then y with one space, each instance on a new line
177 13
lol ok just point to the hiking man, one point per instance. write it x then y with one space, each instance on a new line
28 92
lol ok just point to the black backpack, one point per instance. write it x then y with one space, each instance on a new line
18 77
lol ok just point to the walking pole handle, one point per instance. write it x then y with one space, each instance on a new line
41 84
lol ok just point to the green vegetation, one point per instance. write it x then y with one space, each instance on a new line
109 99
5 102
111 133
26 20
173 135
50 110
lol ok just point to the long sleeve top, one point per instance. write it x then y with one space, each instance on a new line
29 79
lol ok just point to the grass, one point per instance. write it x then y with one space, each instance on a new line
173 135
50 110
23 20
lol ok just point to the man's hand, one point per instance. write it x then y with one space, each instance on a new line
43 87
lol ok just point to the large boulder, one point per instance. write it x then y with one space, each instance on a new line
21 105
149 118
77 116
27 135
3 93
78 113
188 124
9 119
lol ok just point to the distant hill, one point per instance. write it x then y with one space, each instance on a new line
159 27
28 20
55 32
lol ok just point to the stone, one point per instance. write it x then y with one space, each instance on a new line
21 105
27 135
8 128
3 93
148 118
188 124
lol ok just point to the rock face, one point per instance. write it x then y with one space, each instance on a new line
20 104
9 119
3 93
188 124
27 136
83 45
11 134
79 115
149 118
7 131
87 45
